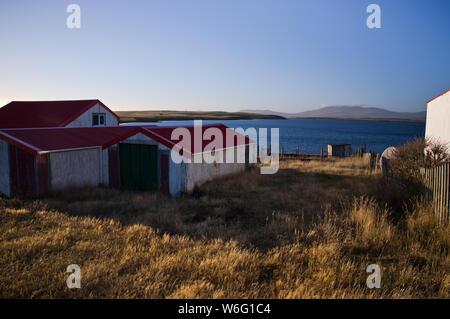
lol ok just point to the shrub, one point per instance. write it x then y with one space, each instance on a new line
436 153
405 184
407 161
415 154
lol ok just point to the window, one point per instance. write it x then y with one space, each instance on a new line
98 119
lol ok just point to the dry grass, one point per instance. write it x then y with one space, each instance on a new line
307 231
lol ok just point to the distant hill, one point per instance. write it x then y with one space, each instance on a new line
156 116
348 112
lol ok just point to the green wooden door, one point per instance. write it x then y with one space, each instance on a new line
138 167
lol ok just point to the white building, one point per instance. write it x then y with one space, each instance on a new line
438 119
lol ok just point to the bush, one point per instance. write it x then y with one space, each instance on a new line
407 161
413 155
436 153
405 184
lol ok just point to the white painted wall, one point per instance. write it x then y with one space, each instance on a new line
74 169
438 119
5 179
177 177
199 173
105 168
85 119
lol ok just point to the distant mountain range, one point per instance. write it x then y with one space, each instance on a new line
348 112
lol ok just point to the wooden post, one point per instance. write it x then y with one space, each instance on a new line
446 217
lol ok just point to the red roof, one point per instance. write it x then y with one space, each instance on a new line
163 134
39 140
438 96
27 114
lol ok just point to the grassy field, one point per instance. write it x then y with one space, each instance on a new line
156 116
309 231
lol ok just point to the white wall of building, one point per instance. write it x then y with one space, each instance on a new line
85 119
104 179
177 177
74 169
5 179
199 173
438 119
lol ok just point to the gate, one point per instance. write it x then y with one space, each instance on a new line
138 166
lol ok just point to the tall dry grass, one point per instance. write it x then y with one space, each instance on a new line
309 232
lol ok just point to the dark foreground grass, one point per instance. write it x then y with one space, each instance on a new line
309 231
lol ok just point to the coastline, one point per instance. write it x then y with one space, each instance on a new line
158 116
360 119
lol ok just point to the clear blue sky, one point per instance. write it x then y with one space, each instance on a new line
226 54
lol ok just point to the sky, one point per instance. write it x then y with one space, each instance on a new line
227 55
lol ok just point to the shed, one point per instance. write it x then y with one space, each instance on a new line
36 160
339 150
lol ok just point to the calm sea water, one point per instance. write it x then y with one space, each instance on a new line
310 135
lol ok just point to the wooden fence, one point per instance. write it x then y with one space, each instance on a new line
437 184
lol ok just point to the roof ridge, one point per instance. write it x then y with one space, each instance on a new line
438 95
55 100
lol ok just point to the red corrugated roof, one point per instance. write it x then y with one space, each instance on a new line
53 139
438 96
25 114
37 140
163 135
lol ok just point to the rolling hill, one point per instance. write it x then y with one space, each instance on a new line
348 112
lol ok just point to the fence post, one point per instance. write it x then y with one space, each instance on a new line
445 193
441 188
